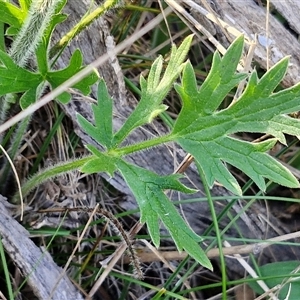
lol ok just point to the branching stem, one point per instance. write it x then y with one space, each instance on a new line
143 145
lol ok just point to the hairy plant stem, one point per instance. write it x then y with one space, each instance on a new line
142 145
83 24
69 166
49 173
31 33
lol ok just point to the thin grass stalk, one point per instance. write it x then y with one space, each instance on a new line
6 272
14 147
217 230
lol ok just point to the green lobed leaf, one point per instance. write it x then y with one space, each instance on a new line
28 97
204 132
56 78
25 4
248 157
12 15
154 90
42 53
102 132
14 79
148 189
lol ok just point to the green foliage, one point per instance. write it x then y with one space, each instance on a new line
147 187
12 15
31 83
28 82
201 130
103 118
283 275
205 132
56 78
21 78
154 91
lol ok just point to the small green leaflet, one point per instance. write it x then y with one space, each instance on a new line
14 79
205 132
12 15
28 82
56 78
42 51
102 132
148 189
154 90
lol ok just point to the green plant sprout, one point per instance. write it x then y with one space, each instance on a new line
32 25
201 129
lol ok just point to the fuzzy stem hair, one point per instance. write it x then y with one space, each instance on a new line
32 31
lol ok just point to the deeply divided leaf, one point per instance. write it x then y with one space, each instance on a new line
202 130
148 189
102 131
14 79
56 78
205 132
154 90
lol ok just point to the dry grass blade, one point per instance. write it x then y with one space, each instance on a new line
116 225
212 17
75 249
251 271
256 248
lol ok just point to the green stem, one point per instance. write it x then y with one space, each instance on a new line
79 27
32 31
49 173
14 147
27 40
6 272
60 169
217 230
142 145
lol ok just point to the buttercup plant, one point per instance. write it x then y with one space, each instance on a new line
201 129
